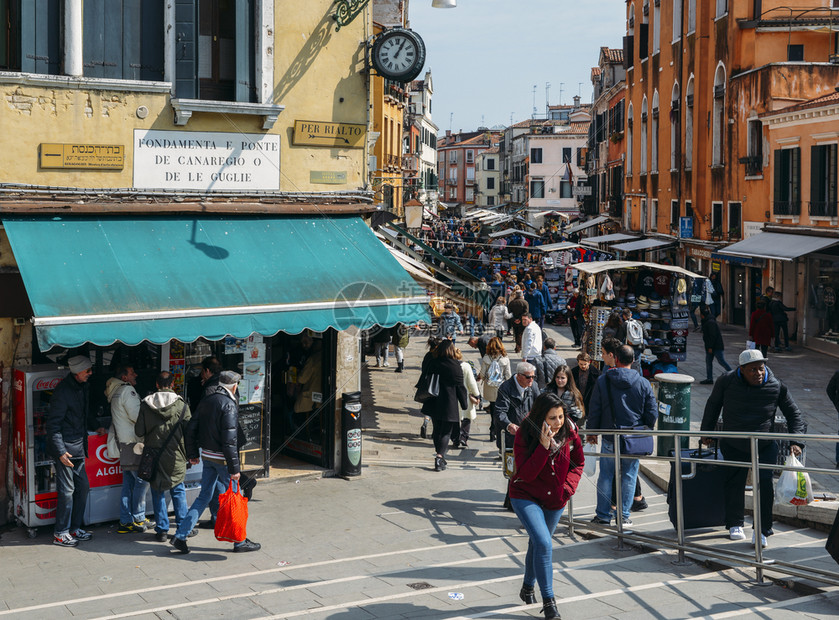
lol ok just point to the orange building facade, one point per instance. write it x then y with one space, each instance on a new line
702 80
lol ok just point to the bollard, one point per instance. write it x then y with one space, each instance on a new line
673 408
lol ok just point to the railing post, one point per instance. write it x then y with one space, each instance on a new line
756 509
570 514
677 482
617 486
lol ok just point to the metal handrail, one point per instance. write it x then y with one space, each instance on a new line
681 545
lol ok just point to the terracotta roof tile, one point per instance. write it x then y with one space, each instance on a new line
613 55
829 99
595 72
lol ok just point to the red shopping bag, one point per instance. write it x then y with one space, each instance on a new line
232 517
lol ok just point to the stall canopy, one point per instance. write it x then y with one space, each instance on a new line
629 265
556 247
511 231
583 225
778 246
641 244
614 237
128 279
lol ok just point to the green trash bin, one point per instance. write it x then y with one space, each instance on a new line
673 408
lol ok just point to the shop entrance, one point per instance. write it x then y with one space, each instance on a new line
738 295
757 286
303 396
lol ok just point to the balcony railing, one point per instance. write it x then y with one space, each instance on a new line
753 165
786 207
823 208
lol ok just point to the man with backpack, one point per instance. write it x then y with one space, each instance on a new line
547 363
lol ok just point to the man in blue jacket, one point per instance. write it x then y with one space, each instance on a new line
621 398
536 304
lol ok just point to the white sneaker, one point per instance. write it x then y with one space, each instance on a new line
736 533
762 540
386 365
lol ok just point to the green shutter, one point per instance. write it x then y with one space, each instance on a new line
186 51
245 52
40 37
795 190
780 176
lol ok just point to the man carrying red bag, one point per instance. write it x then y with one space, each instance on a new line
214 429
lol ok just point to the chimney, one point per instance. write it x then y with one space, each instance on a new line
448 133
576 102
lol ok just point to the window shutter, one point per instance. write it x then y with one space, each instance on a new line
186 66
643 32
628 48
245 53
796 176
102 55
40 37
143 56
831 175
815 185
780 176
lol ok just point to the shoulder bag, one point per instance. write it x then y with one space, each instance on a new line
639 445
427 388
147 469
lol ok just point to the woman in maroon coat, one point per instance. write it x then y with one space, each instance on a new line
549 459
761 327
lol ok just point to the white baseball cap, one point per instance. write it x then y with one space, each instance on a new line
751 355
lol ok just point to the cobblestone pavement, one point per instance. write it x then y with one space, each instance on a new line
402 541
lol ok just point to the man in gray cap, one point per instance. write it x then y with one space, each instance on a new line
748 397
67 426
215 430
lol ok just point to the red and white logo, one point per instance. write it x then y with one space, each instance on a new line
46 384
102 455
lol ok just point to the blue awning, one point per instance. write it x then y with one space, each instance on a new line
158 278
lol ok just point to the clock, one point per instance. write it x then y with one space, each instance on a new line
398 54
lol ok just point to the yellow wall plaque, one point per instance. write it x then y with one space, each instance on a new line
328 177
316 133
92 156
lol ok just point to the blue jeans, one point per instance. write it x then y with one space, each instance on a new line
606 480
161 514
73 487
709 362
214 476
540 524
133 505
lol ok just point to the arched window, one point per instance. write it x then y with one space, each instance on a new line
675 127
644 136
654 134
691 16
677 20
689 125
718 117
630 151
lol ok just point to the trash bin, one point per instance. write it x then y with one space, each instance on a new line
351 432
673 408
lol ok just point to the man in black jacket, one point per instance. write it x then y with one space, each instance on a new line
585 376
833 393
515 398
214 429
714 345
748 397
67 426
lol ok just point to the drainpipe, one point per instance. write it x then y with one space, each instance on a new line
73 38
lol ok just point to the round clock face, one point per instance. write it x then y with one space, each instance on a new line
398 54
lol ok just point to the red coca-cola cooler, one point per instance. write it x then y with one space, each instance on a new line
35 496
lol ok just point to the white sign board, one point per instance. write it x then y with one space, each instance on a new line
208 161
751 228
581 190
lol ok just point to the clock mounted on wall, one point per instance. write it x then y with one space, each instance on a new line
398 54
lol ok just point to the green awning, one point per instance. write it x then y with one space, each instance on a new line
158 278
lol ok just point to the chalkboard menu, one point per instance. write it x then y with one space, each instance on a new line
250 419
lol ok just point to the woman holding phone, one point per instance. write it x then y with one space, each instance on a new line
549 460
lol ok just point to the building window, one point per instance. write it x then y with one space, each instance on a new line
754 136
535 156
795 53
39 32
10 35
823 180
688 209
654 214
735 220
722 7
654 135
490 163
786 199
490 182
677 20
628 214
490 201
643 223
644 32
674 214
453 176
689 126
537 188
565 189
470 157
644 136
470 194
452 194
691 16
716 219
452 157
123 39
470 173
630 144
566 155
656 26
718 117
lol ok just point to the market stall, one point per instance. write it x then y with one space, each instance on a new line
659 296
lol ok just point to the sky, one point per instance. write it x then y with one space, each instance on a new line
485 56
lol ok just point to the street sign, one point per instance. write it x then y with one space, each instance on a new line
686 228
581 190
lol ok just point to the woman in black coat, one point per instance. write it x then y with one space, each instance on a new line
444 409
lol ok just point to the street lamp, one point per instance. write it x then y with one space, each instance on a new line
444 4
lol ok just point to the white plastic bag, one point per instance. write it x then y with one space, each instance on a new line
793 487
750 344
589 451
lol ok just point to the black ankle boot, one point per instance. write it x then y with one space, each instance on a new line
549 608
400 366
527 594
